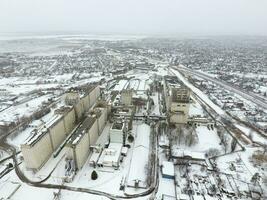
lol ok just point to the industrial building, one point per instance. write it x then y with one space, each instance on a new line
117 133
45 140
179 105
167 170
78 147
126 97
197 121
110 157
85 136
177 98
82 98
137 176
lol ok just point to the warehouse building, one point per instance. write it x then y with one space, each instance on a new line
177 98
78 147
110 157
82 98
179 105
101 110
117 132
86 135
37 149
47 139
44 141
126 97
167 170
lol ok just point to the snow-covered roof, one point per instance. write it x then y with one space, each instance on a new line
111 154
121 85
140 156
180 153
82 129
167 168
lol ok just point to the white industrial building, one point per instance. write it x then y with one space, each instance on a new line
179 105
86 135
82 98
137 176
43 141
110 157
177 98
78 147
126 97
117 133
167 170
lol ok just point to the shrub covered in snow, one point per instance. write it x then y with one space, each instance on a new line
212 152
94 175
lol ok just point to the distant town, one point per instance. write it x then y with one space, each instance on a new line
85 117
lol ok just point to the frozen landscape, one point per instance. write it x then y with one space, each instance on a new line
132 117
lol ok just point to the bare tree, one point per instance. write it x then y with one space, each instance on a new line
212 152
264 148
233 144
191 137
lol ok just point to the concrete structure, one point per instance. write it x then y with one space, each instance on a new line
78 147
56 131
179 101
197 121
117 133
79 110
82 98
101 110
86 135
126 97
167 170
72 98
37 150
110 156
44 141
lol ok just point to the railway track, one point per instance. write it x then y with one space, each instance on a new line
227 122
261 102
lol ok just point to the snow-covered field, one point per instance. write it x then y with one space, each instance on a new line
208 163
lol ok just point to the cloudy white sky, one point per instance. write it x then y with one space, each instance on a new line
247 17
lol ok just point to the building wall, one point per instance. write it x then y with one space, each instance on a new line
126 97
92 97
57 133
97 91
178 118
71 98
35 156
79 110
69 121
179 112
86 102
102 120
82 151
179 107
69 152
93 133
105 114
116 136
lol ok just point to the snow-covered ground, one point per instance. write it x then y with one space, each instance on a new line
235 169
15 112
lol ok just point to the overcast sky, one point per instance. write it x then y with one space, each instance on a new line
211 17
